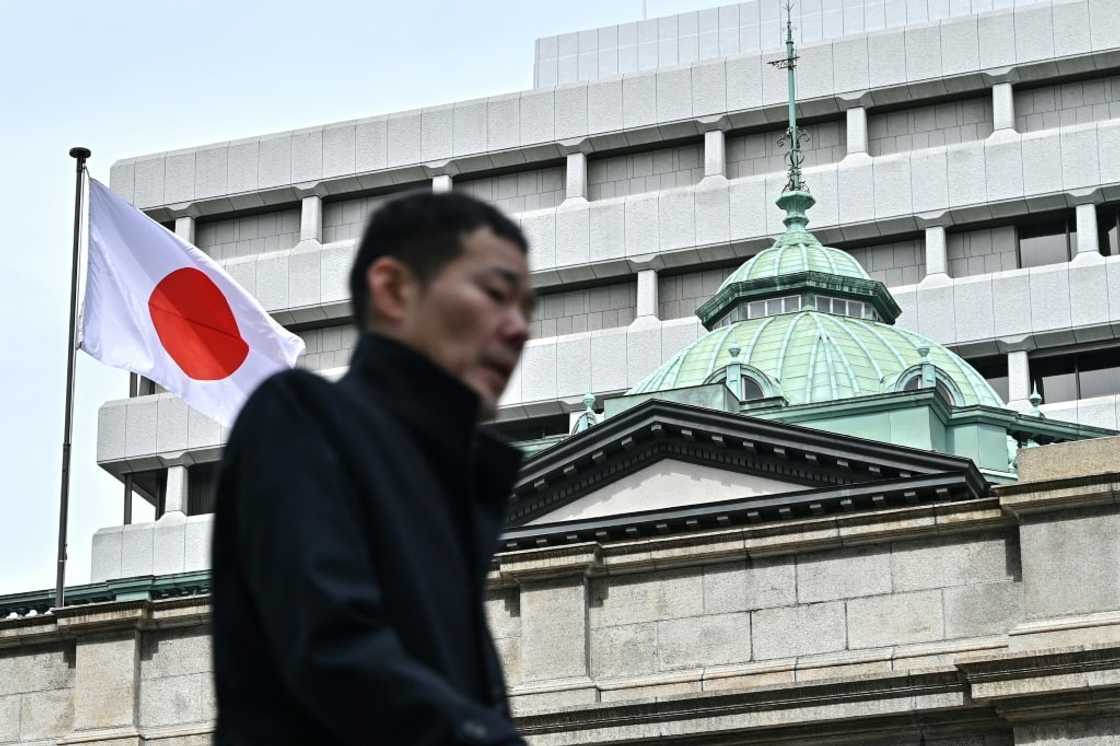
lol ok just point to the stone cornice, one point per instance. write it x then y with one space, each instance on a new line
1065 682
769 539
989 687
1030 499
113 616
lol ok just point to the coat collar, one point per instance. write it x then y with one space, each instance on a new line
417 390
441 410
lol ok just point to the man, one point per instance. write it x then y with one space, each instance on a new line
356 520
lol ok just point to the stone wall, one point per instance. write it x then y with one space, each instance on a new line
176 678
36 692
894 262
328 347
679 295
749 154
932 125
980 251
226 238
587 309
1098 731
344 219
533 189
645 171
1058 105
805 606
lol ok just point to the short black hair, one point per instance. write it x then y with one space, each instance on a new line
423 230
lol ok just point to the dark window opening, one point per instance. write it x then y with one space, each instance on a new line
994 371
1108 230
1081 375
1049 241
202 488
751 389
915 382
531 429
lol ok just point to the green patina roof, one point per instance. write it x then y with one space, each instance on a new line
814 357
796 251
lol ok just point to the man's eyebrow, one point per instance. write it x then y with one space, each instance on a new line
506 274
513 279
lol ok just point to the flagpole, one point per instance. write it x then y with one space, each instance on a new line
80 154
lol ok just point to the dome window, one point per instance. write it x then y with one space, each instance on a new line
752 389
841 307
746 381
914 382
758 309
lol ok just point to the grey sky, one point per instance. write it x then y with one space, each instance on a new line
126 78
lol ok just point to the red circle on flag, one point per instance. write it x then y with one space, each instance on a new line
196 325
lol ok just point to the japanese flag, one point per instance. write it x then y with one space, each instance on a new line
158 306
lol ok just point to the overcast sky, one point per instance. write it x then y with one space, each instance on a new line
143 76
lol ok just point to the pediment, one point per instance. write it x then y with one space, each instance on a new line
668 483
666 456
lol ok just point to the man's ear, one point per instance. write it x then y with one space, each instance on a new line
392 290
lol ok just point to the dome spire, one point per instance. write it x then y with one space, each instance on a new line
795 200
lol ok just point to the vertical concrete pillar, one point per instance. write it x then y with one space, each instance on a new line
1088 240
1018 379
311 219
576 176
857 130
441 183
106 686
175 495
647 293
1003 107
184 229
937 261
715 154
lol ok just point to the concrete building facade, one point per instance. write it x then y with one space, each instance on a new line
966 154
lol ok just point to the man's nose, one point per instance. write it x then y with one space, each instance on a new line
516 328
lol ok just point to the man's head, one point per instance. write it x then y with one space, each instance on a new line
447 275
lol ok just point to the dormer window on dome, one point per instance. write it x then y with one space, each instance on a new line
915 382
745 381
926 375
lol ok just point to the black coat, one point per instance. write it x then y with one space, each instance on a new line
355 525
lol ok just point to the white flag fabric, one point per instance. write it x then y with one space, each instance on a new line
160 307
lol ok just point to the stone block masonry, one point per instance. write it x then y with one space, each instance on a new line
226 238
646 171
590 309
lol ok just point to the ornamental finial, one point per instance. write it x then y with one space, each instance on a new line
795 199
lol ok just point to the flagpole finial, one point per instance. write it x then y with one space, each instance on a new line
80 153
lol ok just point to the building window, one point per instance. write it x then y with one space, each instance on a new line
1081 375
915 382
994 370
516 431
1108 229
1048 241
757 309
202 488
774 306
840 307
752 389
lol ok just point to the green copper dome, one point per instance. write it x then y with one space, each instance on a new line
809 357
788 257
805 323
